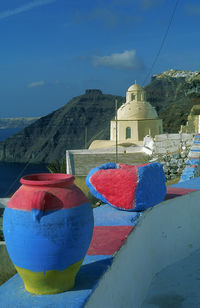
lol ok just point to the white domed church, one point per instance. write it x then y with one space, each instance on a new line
136 118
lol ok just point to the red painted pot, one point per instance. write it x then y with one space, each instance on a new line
48 226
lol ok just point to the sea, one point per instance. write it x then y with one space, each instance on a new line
10 174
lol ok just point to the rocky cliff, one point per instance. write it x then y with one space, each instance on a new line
48 138
87 117
173 93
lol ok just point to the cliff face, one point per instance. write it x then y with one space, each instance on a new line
49 137
173 93
10 126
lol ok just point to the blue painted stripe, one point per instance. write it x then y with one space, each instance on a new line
13 293
106 215
151 188
196 142
189 170
193 184
192 161
60 239
195 150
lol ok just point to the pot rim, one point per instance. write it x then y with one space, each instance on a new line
47 179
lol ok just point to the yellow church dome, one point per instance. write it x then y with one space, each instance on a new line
136 111
136 108
135 87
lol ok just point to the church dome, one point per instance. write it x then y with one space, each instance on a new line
135 87
136 107
136 111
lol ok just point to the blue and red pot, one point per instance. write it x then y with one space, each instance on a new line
48 226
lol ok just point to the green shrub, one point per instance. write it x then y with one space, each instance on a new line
57 166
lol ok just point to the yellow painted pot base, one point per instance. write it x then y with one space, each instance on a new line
51 282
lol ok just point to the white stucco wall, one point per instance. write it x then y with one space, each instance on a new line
165 234
169 143
139 129
122 130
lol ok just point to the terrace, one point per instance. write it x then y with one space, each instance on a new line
145 259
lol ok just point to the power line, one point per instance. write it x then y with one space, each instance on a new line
162 42
154 62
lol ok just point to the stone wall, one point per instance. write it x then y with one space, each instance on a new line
173 164
184 162
172 143
80 162
172 150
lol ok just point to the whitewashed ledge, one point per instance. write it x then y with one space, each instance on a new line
161 236
3 202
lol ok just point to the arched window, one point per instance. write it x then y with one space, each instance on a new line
128 132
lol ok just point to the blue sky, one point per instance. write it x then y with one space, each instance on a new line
52 50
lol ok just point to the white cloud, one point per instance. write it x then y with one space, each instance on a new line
36 84
124 60
26 7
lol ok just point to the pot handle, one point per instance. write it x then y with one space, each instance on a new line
38 204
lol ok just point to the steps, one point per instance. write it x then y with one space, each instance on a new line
192 168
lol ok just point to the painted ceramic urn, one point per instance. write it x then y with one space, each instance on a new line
48 225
